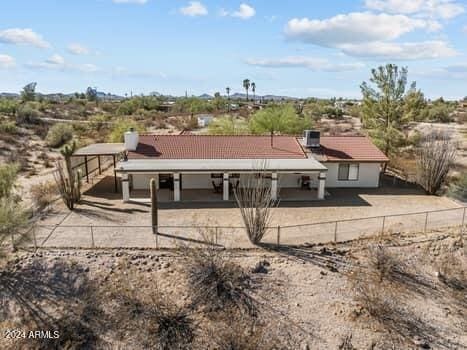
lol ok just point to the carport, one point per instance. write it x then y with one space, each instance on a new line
92 153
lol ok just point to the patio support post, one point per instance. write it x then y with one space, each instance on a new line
225 191
125 187
176 187
321 184
274 186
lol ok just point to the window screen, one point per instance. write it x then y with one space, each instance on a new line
343 172
348 172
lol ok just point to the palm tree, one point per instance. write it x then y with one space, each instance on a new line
246 86
227 89
253 88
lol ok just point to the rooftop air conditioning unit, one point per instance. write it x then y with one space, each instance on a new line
311 138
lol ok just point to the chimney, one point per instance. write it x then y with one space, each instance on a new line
311 138
131 138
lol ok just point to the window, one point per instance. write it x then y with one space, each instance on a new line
348 172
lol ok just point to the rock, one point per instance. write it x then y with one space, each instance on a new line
260 267
166 265
323 273
305 346
421 343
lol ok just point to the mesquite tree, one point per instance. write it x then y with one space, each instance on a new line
435 157
154 206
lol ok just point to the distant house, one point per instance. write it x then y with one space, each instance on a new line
204 120
201 164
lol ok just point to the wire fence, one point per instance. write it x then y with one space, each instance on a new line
105 236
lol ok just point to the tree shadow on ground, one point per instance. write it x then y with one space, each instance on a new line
322 257
55 296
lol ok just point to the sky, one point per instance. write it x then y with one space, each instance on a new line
299 48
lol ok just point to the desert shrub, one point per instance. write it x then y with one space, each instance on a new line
458 188
8 174
216 283
27 114
59 134
165 324
254 199
8 128
98 122
120 127
452 271
43 194
237 332
8 106
387 266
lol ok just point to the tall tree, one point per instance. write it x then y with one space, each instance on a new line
246 86
278 118
253 89
29 92
227 89
91 94
383 105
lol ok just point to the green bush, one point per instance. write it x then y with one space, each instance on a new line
59 134
8 128
458 189
120 127
8 106
8 174
27 114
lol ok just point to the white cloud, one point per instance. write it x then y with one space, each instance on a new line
57 62
6 62
354 28
195 8
400 51
139 2
78 49
244 12
22 36
313 63
444 9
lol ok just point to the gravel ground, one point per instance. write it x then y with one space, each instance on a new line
305 291
341 205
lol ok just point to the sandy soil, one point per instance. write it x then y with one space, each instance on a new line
127 223
304 291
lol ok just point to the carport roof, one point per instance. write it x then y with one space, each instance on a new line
100 149
220 165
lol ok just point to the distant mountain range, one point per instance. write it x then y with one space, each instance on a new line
108 96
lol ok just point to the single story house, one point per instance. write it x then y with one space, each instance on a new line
200 166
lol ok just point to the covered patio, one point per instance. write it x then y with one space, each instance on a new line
214 180
95 157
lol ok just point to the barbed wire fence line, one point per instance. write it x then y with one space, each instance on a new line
171 236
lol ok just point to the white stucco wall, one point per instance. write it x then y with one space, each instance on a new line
368 176
141 181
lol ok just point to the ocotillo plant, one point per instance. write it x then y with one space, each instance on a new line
154 208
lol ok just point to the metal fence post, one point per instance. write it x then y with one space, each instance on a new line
426 222
382 227
278 235
92 237
217 231
335 232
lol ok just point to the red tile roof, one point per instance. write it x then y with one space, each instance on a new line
350 148
333 148
216 147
